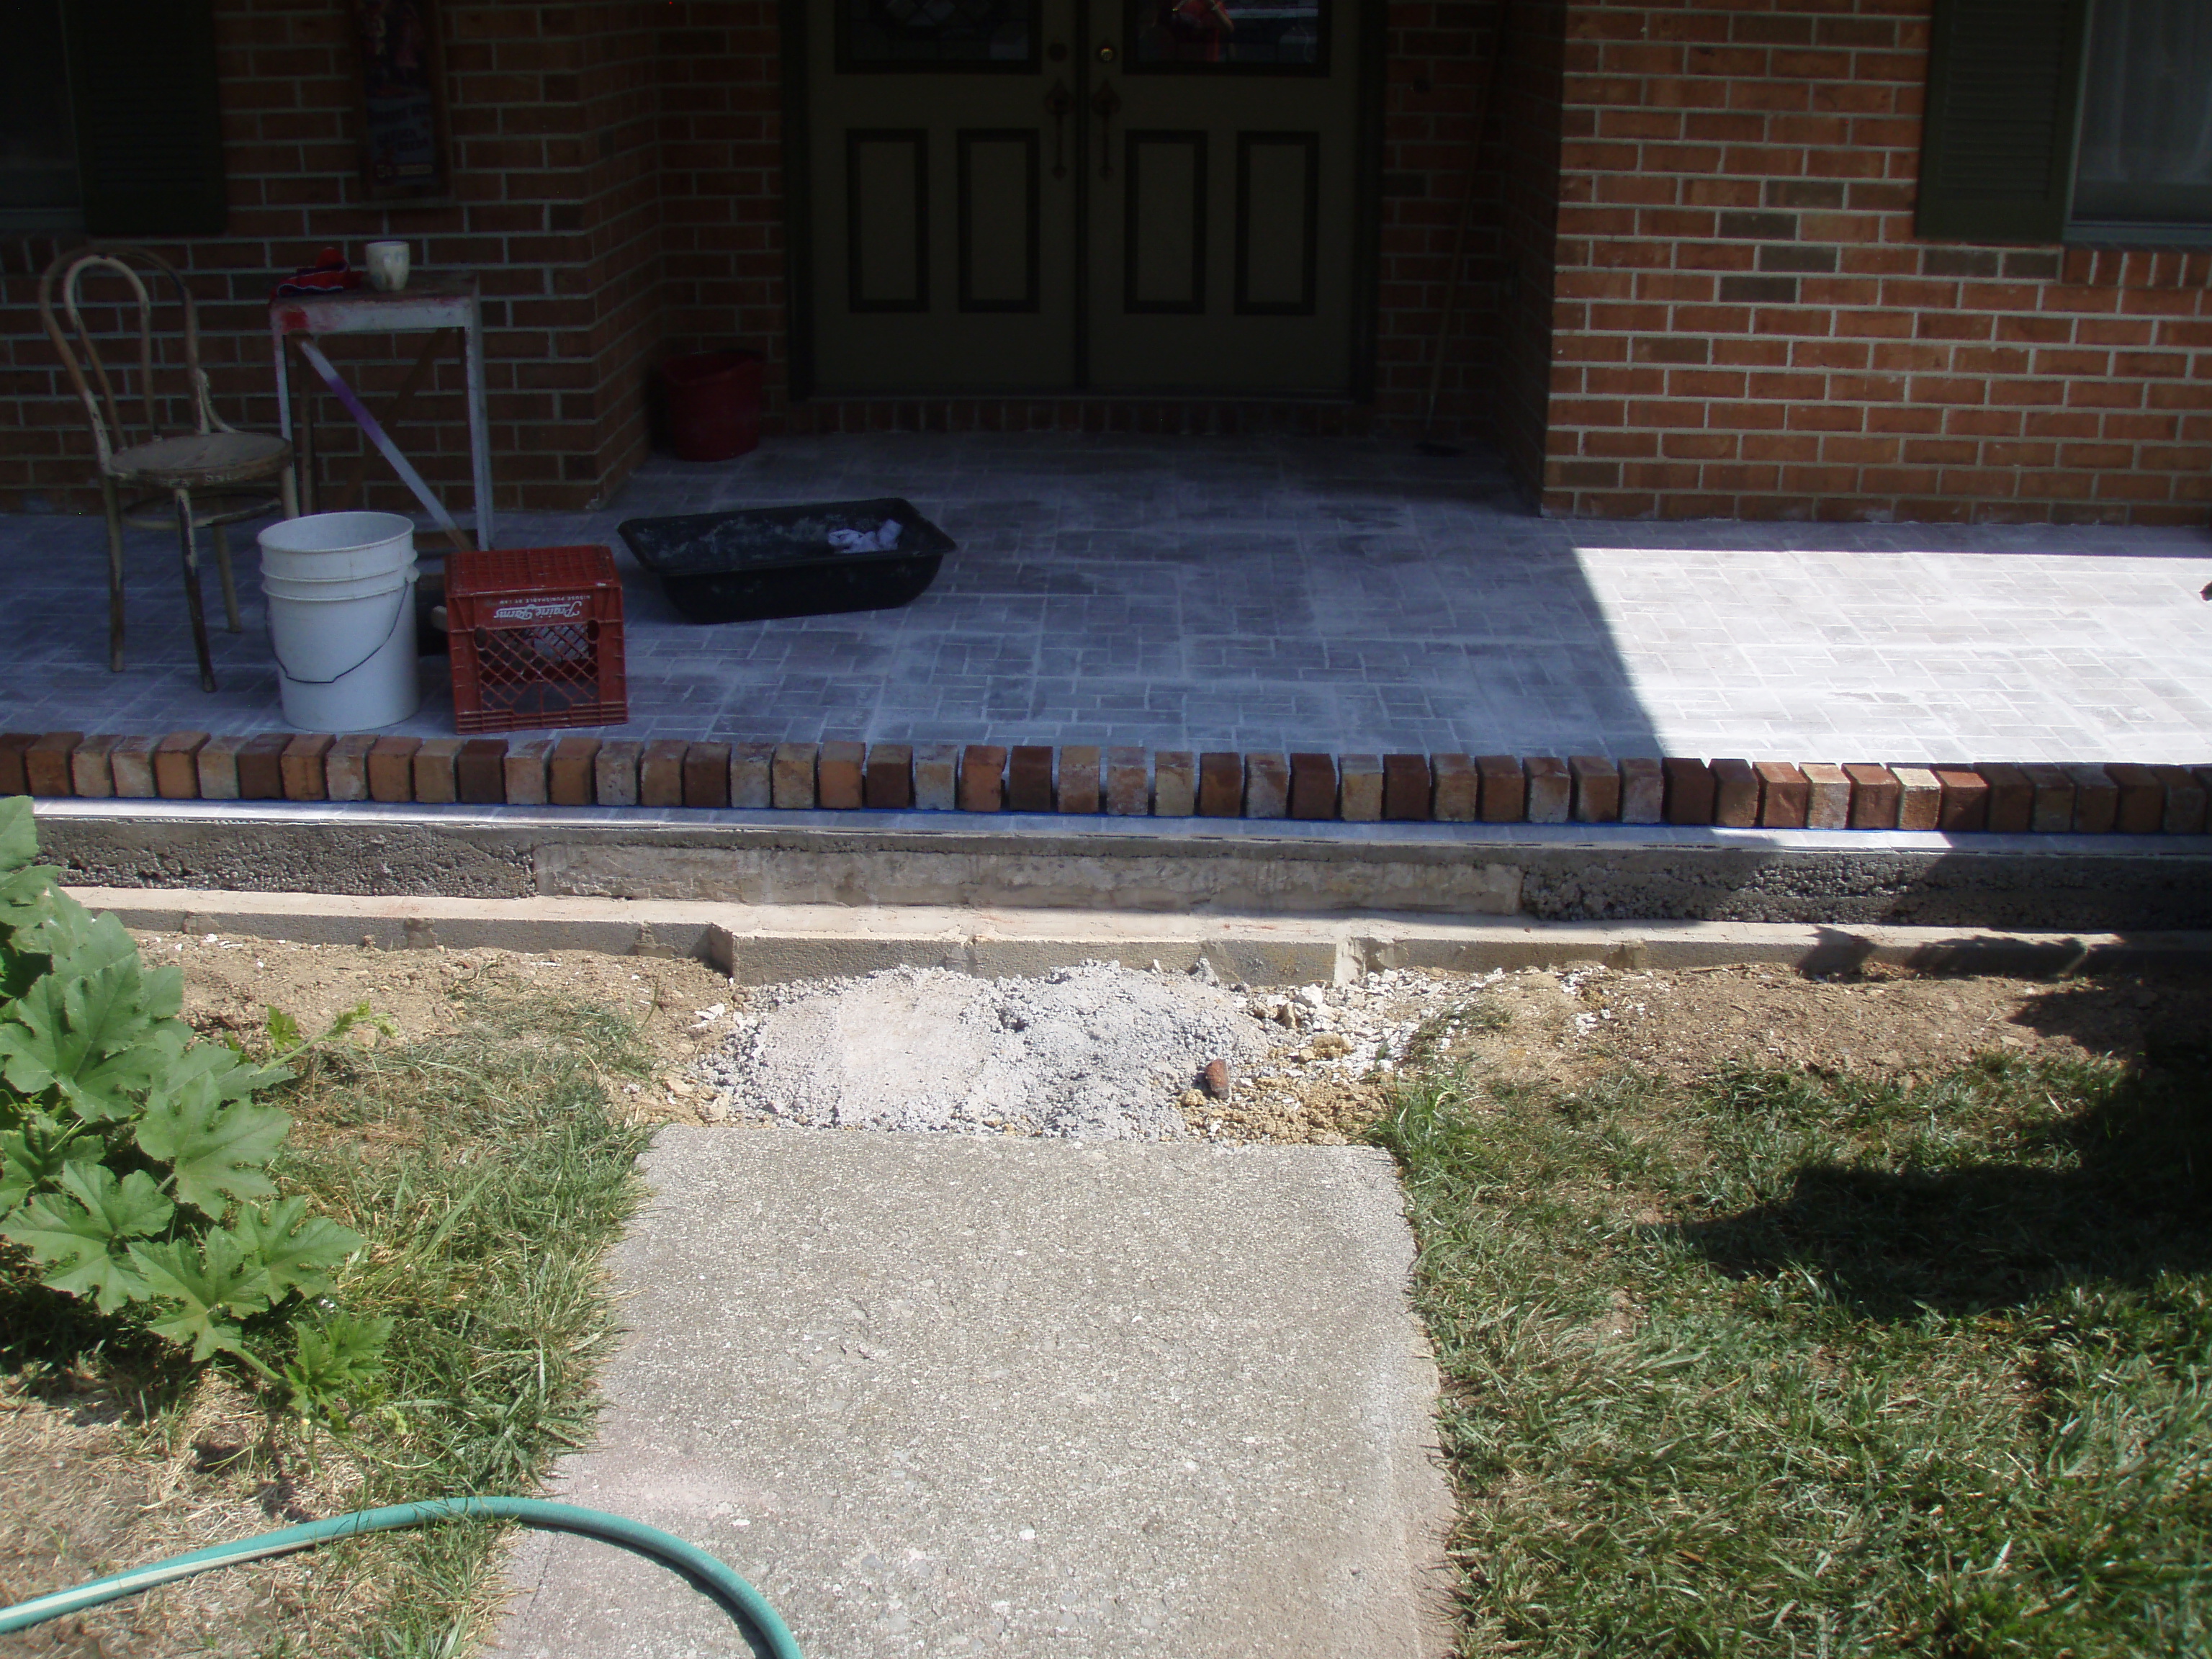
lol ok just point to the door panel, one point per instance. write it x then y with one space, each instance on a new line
1001 255
1278 225
944 247
887 220
1022 195
1163 223
1263 99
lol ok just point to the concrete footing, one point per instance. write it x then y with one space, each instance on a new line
1192 867
766 944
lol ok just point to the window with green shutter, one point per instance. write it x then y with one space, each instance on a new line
111 122
2004 84
2068 120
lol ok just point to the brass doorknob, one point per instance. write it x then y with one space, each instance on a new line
1106 52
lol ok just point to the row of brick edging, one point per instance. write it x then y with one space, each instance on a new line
582 770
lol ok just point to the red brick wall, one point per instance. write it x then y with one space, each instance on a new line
720 138
1437 61
619 97
619 190
559 229
1746 325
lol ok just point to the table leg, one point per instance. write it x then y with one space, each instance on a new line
307 444
479 423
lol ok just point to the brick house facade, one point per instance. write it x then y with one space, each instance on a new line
1692 281
1747 324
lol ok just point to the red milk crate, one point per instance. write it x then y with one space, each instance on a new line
536 635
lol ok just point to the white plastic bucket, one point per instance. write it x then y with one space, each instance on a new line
341 597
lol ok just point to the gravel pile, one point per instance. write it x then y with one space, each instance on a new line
1098 1051
1365 1029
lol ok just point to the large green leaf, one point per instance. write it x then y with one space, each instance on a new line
74 1231
293 1246
96 1028
33 1155
205 1284
18 834
25 888
234 1077
219 1148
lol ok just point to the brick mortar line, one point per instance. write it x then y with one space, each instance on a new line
2083 798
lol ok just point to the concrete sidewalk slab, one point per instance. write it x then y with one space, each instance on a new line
938 1395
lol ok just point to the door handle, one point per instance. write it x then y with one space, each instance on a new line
1058 101
1108 103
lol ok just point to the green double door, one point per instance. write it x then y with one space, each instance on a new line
1032 196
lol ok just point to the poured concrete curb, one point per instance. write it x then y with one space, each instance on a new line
950 1393
1187 866
769 944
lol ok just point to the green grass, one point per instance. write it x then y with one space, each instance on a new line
490 1173
1791 1364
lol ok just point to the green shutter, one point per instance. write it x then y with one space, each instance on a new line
2004 95
148 132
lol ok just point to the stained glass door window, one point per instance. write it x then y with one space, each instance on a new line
1281 36
961 36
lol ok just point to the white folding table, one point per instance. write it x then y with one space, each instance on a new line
433 306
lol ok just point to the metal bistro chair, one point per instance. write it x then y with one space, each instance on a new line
165 466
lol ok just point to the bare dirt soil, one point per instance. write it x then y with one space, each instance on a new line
1345 1043
231 983
1334 1047
90 1481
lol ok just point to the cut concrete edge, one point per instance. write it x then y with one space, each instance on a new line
759 944
1079 834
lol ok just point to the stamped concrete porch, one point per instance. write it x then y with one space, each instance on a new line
1278 592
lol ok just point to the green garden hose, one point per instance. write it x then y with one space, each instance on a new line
741 1601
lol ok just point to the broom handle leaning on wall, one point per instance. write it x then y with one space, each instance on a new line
1486 95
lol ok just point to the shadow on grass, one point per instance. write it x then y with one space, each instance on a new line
2118 1191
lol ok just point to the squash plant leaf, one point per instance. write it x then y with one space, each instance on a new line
293 1246
227 1070
96 1028
18 834
218 1148
210 1287
26 888
74 1231
33 1154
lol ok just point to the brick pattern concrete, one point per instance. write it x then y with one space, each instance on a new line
1281 594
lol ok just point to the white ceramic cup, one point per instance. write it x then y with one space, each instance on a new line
387 266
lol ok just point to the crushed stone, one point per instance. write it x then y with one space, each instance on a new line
1095 1051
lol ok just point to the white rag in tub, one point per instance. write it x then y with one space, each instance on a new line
883 537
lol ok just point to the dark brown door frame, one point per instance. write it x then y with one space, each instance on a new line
799 201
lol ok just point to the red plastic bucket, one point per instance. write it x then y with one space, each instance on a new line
713 400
